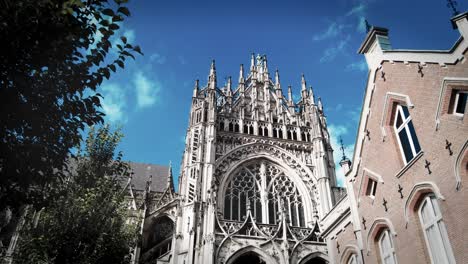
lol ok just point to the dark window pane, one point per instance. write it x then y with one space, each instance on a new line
405 144
462 97
227 207
405 110
417 147
399 121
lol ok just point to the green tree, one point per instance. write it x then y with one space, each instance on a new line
54 56
87 223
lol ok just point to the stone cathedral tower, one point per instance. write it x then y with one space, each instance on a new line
257 174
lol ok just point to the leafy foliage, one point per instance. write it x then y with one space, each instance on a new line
87 223
54 56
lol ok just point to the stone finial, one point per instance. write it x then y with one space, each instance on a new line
241 74
303 83
311 96
196 88
252 62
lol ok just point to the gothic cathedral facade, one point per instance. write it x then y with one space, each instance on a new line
257 174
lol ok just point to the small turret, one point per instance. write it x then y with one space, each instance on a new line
212 77
252 63
303 88
265 69
311 96
170 180
241 74
279 92
290 99
196 88
320 107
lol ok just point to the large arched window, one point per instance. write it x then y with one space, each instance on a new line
266 188
387 249
434 231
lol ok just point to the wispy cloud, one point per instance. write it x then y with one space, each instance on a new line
157 58
330 53
337 131
359 11
333 30
146 90
114 103
357 66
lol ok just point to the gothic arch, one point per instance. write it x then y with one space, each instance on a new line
419 190
377 226
348 251
391 97
315 255
305 191
265 256
245 151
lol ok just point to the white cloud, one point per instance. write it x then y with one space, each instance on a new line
336 131
146 90
157 58
333 30
357 66
114 103
357 10
331 53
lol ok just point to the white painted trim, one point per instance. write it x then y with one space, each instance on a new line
386 111
367 173
443 87
416 191
349 250
459 159
377 224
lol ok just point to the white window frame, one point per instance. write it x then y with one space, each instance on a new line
352 259
391 251
404 125
436 222
455 102
373 189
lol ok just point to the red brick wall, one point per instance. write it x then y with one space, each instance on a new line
384 158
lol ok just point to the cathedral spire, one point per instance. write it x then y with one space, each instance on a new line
212 77
252 63
279 92
303 83
170 181
320 107
311 96
241 74
290 99
195 88
265 70
229 87
303 88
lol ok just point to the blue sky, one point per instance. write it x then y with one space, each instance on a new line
151 98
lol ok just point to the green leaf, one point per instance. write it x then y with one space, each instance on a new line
108 12
124 39
123 10
114 26
120 63
137 49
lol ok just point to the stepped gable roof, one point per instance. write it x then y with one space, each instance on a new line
142 172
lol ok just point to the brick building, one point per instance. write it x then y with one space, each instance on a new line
408 184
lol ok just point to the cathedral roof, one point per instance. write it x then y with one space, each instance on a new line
142 172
